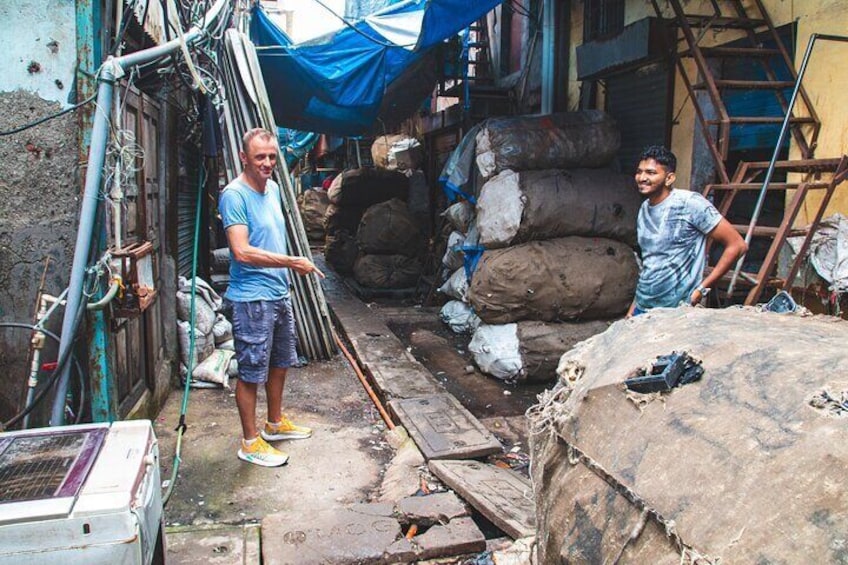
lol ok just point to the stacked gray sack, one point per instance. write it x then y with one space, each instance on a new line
212 356
351 194
558 228
389 243
457 312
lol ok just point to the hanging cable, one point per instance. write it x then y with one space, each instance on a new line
181 426
48 118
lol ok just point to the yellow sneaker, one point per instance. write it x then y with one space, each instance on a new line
284 429
262 454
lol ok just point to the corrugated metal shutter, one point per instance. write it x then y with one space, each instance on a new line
638 100
186 208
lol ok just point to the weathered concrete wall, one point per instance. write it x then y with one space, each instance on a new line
38 211
38 47
38 173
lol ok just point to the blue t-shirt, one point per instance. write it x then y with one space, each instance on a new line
673 238
263 216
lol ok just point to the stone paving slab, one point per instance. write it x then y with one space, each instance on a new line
457 537
213 545
443 429
364 533
501 495
440 507
360 533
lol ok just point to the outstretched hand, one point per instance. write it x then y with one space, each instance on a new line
304 266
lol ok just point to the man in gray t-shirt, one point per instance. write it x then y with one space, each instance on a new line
672 227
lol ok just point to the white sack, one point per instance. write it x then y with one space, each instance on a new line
222 330
203 344
453 257
496 350
459 215
459 317
213 369
456 286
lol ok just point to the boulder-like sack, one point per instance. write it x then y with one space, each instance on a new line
453 258
555 280
535 205
528 351
707 471
387 271
588 138
340 251
313 208
361 188
389 228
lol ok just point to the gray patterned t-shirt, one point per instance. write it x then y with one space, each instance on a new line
673 237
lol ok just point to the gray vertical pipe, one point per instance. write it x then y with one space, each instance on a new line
88 211
113 68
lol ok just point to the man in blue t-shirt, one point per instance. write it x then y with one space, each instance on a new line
258 297
672 228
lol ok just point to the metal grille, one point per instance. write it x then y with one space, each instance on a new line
35 467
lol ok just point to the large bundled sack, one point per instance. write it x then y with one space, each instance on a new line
397 152
746 465
361 188
387 271
588 138
515 207
313 208
558 279
389 228
527 351
340 218
341 251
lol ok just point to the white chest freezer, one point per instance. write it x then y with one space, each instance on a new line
87 494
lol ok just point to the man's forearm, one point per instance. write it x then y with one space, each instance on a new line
257 257
728 258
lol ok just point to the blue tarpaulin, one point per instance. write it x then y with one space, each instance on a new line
337 83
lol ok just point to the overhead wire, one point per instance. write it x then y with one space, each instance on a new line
48 118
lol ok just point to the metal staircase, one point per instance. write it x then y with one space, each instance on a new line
710 95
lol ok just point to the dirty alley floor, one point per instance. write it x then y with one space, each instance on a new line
225 511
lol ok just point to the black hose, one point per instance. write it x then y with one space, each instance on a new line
54 376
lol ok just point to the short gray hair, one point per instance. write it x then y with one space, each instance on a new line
251 134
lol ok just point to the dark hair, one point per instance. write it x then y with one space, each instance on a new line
661 155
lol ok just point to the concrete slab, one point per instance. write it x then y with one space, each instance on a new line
440 507
443 429
458 537
340 464
395 372
359 533
213 545
501 495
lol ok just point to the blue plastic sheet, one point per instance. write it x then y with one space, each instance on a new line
295 144
337 83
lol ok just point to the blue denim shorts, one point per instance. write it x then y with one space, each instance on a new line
264 336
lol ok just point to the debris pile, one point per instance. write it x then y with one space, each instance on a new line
211 355
548 248
679 478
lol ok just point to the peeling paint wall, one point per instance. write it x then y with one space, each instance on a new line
39 173
38 47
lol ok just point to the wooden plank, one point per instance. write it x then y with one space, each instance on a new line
501 495
443 429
